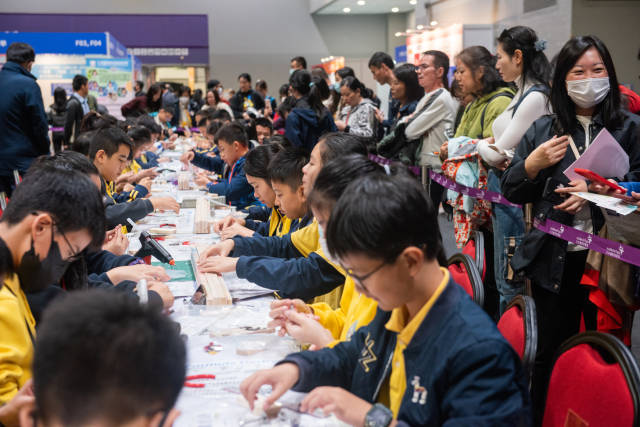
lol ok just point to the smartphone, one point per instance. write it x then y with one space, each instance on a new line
549 193
592 176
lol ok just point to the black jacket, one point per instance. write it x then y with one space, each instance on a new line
23 122
541 256
73 120
238 102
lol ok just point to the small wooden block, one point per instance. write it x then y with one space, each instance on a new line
215 290
201 221
161 231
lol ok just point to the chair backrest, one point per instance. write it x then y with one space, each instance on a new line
475 249
595 382
518 324
465 273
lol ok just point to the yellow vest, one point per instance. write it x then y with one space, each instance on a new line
355 311
133 167
307 240
279 225
18 332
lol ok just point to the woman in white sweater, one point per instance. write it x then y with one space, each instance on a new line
434 114
520 59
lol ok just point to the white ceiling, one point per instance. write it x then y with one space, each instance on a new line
371 7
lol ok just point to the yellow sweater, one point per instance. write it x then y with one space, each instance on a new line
307 240
16 346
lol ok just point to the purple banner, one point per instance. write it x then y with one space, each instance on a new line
616 250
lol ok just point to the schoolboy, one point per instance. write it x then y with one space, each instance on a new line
431 356
233 146
133 173
109 151
123 363
293 264
52 217
264 129
163 118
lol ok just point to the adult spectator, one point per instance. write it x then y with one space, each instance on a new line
77 107
216 103
56 116
263 90
139 88
406 90
23 122
246 100
435 114
297 63
358 117
170 99
309 118
381 66
149 103
585 98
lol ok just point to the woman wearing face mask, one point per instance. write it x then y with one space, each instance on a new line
338 102
585 98
520 59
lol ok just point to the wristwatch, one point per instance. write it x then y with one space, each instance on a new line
378 416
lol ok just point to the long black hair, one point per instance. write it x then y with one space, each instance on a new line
406 73
313 89
151 104
564 108
59 99
535 65
354 84
478 57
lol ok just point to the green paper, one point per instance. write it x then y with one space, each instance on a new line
180 265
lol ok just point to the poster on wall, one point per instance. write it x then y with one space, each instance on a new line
447 40
110 81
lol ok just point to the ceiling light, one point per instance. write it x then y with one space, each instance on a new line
419 27
398 34
433 23
395 10
346 10
361 2
414 2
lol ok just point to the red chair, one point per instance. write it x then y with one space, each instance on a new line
595 382
519 326
464 272
475 249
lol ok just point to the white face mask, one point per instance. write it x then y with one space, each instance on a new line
588 92
325 247
183 100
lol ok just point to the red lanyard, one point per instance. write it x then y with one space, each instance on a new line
231 173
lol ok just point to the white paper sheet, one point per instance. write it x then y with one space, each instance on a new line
604 156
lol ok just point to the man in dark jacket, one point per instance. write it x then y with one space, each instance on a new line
23 122
77 107
246 98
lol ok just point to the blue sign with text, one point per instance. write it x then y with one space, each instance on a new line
58 43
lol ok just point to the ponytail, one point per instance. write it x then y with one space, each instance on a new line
315 90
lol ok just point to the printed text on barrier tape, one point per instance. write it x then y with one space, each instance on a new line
616 250
56 129
381 160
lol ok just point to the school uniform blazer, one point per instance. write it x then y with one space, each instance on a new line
460 370
213 164
277 263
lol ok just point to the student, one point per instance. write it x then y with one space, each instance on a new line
51 218
285 178
134 174
260 222
163 118
123 364
110 150
358 117
585 99
309 119
431 355
264 129
294 264
520 59
355 310
233 147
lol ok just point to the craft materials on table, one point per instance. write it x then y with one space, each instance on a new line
201 220
215 290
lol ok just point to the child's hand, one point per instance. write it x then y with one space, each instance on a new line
164 292
281 378
236 230
346 406
223 248
218 265
116 242
306 329
225 222
10 412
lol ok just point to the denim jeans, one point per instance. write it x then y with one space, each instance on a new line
508 231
